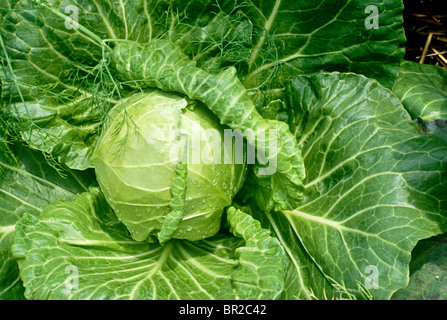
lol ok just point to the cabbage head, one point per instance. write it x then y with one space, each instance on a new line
163 166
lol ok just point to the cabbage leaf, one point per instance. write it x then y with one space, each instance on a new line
375 186
79 250
28 184
422 90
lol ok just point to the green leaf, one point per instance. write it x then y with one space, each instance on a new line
177 204
428 271
299 37
215 39
79 250
303 278
48 73
66 132
375 186
261 260
28 185
422 90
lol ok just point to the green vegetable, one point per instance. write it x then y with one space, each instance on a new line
147 166
215 149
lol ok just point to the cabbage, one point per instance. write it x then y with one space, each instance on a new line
137 160
104 183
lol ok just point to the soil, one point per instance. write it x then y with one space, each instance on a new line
425 23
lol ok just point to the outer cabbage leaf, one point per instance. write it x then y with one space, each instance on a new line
422 90
375 186
304 279
49 82
307 36
27 185
79 250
